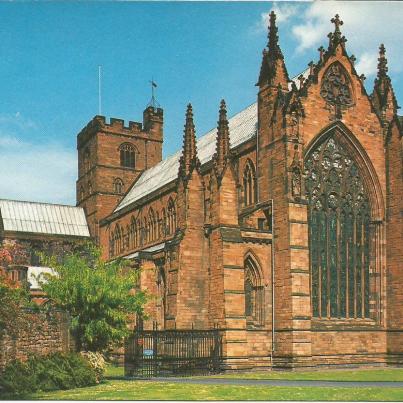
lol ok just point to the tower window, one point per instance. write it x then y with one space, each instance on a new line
118 186
127 155
86 160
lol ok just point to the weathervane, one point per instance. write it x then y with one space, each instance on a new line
153 102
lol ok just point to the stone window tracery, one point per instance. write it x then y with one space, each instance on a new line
339 232
335 89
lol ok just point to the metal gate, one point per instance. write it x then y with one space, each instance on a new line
153 353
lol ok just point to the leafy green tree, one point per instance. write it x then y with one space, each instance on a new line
99 296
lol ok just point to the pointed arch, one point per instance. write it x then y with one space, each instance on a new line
348 140
171 216
344 198
116 246
133 233
152 225
249 183
254 292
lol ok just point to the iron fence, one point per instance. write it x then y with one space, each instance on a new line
158 353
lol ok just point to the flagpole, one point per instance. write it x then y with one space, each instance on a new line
99 91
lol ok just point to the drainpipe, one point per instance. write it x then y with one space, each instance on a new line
272 281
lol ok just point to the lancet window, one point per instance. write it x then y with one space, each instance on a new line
171 217
249 184
254 296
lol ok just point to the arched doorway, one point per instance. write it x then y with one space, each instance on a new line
339 230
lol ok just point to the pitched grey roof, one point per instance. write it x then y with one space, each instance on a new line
242 127
43 218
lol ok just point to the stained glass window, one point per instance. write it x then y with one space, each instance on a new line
339 233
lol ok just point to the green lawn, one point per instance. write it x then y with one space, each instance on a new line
119 389
142 390
384 375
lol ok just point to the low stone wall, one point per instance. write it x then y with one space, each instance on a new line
46 332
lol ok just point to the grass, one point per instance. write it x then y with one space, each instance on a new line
119 389
361 375
152 390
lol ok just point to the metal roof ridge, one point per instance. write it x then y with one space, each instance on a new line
41 203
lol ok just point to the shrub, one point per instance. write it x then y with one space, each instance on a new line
46 373
17 381
97 363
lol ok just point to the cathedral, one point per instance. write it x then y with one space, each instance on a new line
282 227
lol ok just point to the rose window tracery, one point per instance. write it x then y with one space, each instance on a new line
335 89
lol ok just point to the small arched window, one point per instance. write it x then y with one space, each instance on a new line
118 186
171 217
86 160
164 225
116 241
127 155
249 184
133 234
254 296
152 225
82 194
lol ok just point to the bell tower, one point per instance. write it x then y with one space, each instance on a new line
111 156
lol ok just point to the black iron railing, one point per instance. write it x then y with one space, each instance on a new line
153 353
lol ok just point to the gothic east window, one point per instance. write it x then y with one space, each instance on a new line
254 303
249 184
339 232
118 186
127 155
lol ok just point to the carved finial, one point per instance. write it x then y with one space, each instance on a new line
353 59
223 140
337 23
382 62
189 155
273 46
311 66
321 53
301 80
362 78
336 38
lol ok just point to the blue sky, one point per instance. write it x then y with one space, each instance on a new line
197 52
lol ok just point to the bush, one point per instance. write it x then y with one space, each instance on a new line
97 363
46 373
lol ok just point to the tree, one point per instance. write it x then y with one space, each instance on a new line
98 295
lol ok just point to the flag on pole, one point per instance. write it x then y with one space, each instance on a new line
153 84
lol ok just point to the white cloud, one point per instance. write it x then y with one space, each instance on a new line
366 25
34 171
